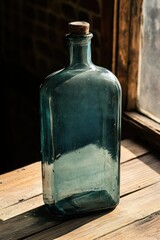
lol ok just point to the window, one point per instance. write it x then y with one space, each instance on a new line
137 65
148 95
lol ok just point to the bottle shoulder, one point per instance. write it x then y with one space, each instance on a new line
82 76
52 80
109 77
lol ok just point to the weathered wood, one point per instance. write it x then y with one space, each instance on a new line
134 47
18 174
21 207
135 175
128 49
27 181
140 187
145 229
115 33
39 220
131 149
132 207
27 224
139 173
20 184
147 128
136 146
123 46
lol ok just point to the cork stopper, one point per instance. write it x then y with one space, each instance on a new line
79 28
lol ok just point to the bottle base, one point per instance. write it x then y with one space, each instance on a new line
82 203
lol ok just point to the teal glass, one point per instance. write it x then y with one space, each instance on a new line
80 134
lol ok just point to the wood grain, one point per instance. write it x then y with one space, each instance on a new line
28 223
27 181
128 50
123 46
145 127
132 208
147 228
139 173
133 57
131 149
20 185
140 188
21 207
135 174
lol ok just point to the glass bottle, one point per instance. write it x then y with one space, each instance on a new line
80 132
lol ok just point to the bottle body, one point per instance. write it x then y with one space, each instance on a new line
80 139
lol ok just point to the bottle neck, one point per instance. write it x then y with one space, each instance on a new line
79 50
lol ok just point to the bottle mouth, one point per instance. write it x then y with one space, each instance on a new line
82 38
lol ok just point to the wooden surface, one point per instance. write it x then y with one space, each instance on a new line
146 127
128 48
23 215
123 46
134 49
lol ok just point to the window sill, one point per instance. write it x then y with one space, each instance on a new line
146 128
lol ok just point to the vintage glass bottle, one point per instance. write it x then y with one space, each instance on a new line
80 132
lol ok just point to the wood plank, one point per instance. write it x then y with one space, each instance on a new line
147 228
145 127
139 173
132 207
27 180
123 46
23 191
128 50
21 207
135 174
19 173
24 181
133 58
115 34
144 121
132 148
27 224
136 146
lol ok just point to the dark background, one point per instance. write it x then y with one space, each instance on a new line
32 45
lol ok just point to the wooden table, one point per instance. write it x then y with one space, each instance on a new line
23 215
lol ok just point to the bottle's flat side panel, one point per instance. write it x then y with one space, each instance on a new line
80 143
86 142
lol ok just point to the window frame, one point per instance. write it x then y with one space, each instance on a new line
127 49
